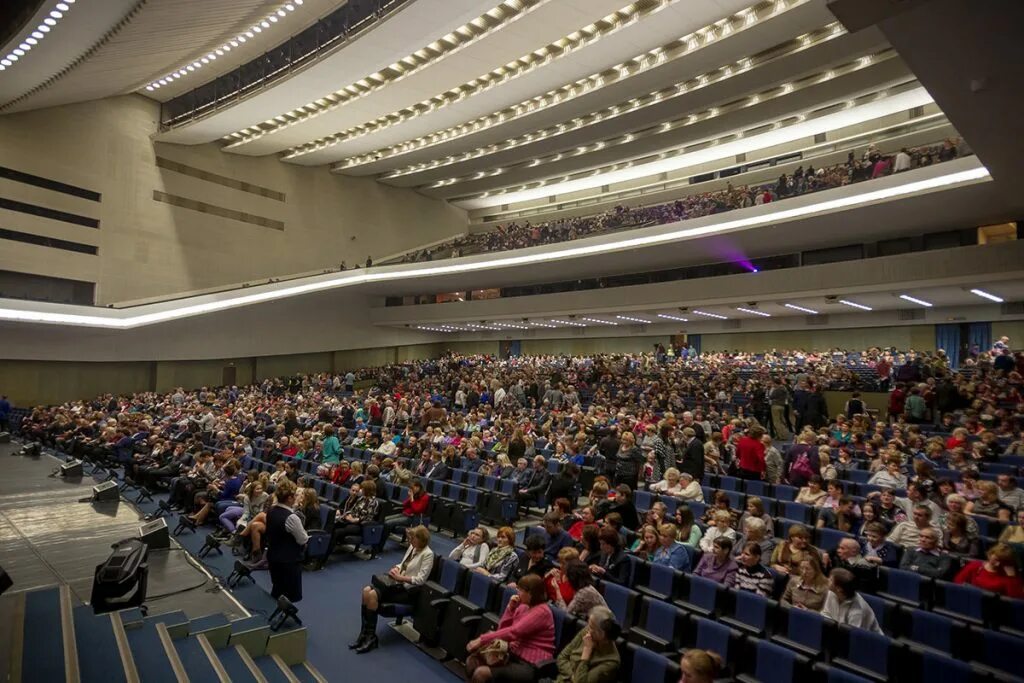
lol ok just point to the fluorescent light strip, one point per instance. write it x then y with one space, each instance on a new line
666 316
712 315
571 323
751 311
537 324
862 307
349 278
248 34
852 116
913 300
601 322
40 33
633 320
801 308
985 295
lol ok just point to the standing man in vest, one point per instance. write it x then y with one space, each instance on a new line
286 541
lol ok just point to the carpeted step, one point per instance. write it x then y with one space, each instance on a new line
12 632
216 628
193 658
307 673
252 633
43 649
151 659
98 656
176 622
273 670
233 661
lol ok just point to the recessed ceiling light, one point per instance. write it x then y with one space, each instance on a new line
801 308
666 316
712 315
751 311
986 295
915 300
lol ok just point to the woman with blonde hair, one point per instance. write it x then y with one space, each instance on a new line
700 666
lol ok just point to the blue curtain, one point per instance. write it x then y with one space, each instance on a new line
694 341
980 334
947 337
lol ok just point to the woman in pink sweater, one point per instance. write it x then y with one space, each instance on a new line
529 629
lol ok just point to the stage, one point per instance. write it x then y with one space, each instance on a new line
48 537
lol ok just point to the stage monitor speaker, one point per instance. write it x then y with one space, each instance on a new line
155 534
72 468
5 437
32 449
105 491
5 581
121 581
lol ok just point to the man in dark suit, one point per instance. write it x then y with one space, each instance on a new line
691 459
537 485
438 470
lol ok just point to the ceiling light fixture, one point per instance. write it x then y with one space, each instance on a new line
633 320
712 315
986 295
751 311
801 308
258 27
915 300
666 316
853 304
570 323
601 322
37 35
200 305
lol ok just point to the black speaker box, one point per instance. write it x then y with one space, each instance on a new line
155 535
72 468
5 581
106 491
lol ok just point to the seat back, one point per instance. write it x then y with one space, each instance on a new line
643 500
828 539
868 650
968 602
451 574
481 587
904 585
703 592
785 492
751 609
662 579
775 664
933 630
472 479
729 483
649 667
806 627
999 651
661 618
621 602
711 635
938 667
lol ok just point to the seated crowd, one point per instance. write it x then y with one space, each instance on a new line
635 461
872 164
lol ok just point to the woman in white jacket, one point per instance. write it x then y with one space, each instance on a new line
473 551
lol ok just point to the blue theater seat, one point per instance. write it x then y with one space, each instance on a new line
773 663
660 626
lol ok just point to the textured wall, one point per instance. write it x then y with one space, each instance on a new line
154 244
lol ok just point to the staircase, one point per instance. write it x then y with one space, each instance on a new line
45 639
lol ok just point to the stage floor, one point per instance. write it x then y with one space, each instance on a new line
48 537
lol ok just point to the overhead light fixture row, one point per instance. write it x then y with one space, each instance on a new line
40 33
247 34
